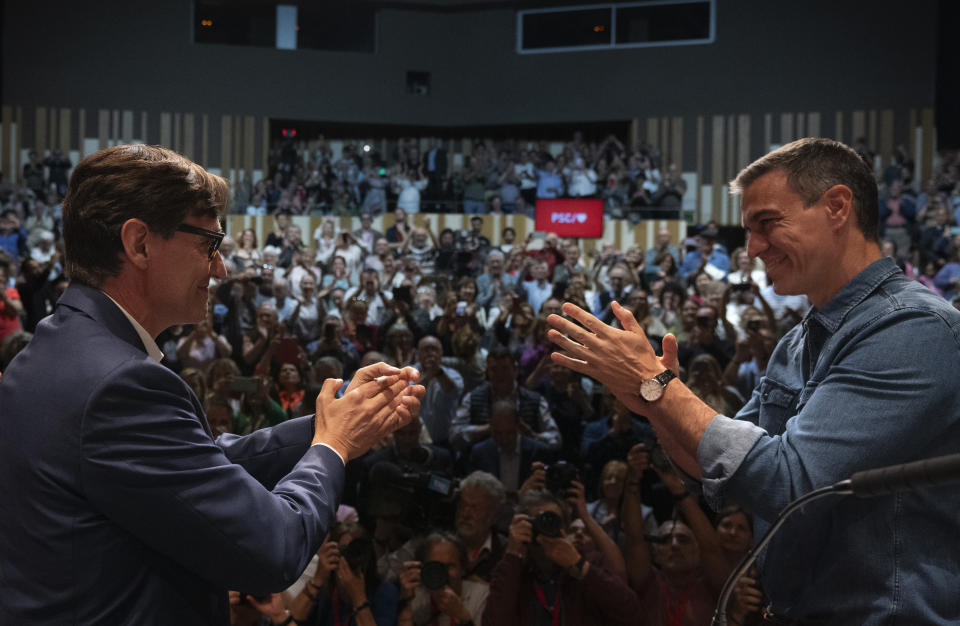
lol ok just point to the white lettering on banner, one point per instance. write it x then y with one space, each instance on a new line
567 218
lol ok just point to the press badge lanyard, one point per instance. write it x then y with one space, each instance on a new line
555 611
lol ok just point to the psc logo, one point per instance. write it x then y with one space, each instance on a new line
567 218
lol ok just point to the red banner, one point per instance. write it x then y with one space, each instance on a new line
570 217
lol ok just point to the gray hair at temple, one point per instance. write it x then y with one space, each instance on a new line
487 482
812 166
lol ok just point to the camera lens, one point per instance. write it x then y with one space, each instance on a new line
433 575
548 524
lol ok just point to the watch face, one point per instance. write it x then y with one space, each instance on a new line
651 390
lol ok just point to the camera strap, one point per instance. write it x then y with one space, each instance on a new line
555 611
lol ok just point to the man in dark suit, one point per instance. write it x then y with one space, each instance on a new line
507 454
119 506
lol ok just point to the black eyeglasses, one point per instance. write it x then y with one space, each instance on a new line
215 237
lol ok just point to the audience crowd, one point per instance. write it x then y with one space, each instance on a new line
505 177
525 493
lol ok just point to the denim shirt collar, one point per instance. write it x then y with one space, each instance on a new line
833 313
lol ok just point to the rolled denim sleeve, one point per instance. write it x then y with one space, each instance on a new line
724 446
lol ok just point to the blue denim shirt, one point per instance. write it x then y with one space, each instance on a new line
869 380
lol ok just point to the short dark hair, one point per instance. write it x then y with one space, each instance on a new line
124 182
812 166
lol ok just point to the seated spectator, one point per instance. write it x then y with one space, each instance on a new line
444 386
543 578
400 230
410 454
457 602
507 454
472 423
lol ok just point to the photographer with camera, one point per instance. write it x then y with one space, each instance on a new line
542 578
703 339
672 587
345 588
434 588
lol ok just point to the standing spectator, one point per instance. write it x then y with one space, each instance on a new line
366 236
507 454
58 165
472 423
746 271
13 238
10 304
543 579
33 176
549 181
400 229
247 251
538 289
493 284
444 386
277 237
581 180
408 186
202 346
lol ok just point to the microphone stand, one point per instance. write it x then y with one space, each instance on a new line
841 488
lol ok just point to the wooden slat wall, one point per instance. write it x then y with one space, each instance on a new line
7 143
722 144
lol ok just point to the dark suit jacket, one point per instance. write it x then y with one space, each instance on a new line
485 456
118 506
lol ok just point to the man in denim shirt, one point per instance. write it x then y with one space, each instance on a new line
866 380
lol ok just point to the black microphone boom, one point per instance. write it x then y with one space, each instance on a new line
941 470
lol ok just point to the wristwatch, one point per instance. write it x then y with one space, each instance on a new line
651 389
576 571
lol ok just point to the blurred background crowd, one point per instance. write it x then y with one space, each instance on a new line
517 468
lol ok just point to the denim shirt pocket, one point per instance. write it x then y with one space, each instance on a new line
778 403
